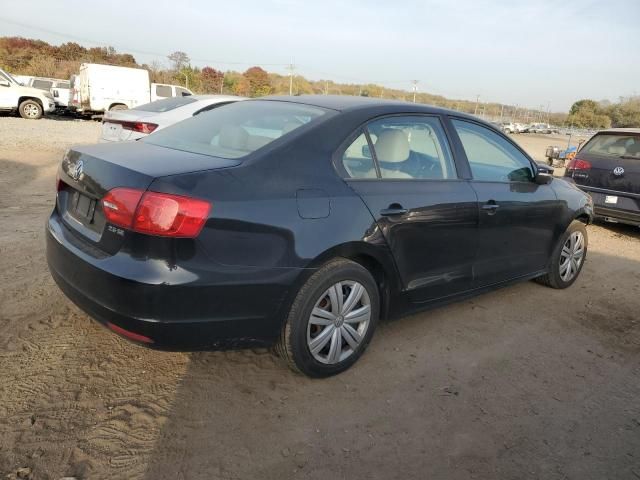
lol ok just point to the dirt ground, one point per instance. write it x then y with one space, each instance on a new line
522 383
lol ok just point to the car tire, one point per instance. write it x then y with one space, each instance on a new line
331 342
30 110
118 107
562 274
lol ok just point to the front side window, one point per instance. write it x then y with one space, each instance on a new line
491 157
237 129
181 92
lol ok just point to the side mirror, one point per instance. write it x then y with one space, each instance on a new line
4 83
544 176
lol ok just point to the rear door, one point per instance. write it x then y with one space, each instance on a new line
517 217
403 169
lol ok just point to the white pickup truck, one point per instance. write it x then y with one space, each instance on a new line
31 103
100 88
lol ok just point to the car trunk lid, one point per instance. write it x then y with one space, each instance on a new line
87 173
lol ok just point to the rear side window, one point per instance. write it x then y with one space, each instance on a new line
163 91
491 157
357 160
408 147
613 145
42 84
165 105
237 129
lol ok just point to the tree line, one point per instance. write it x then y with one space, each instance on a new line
25 56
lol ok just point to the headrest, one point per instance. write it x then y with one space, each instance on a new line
234 138
392 146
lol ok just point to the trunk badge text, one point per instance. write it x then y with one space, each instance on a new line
618 171
75 170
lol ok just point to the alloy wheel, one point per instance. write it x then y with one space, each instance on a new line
571 256
31 110
339 321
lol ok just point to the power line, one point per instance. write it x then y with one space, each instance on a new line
127 49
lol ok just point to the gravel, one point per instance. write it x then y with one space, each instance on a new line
46 133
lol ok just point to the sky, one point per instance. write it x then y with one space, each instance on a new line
529 53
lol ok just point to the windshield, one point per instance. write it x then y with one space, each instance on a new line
237 129
613 145
9 77
165 105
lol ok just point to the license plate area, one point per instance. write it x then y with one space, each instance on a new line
611 199
82 207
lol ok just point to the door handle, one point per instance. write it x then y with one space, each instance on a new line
490 207
393 210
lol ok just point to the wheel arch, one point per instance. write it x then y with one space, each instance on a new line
27 97
376 259
114 104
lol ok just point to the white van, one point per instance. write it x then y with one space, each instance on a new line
30 102
100 88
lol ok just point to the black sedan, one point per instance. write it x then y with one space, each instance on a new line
608 168
302 222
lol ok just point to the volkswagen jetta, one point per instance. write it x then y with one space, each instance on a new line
300 222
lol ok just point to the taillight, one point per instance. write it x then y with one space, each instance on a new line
119 206
579 164
140 127
155 213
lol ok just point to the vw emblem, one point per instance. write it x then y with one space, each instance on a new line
75 170
618 171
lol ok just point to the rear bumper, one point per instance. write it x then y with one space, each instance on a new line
625 210
216 307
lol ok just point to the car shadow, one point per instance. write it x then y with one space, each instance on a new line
492 384
620 229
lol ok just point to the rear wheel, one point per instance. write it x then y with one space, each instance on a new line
568 257
30 109
331 321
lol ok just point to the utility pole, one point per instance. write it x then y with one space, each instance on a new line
222 83
415 89
326 87
501 113
475 112
291 67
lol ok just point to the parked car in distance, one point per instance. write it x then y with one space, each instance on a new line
541 128
520 128
138 122
99 88
608 168
508 127
31 103
303 221
57 87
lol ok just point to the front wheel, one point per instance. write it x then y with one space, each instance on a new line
331 320
568 257
30 109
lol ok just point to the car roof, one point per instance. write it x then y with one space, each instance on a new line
344 103
621 130
216 97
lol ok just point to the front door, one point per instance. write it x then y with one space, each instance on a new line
402 167
517 217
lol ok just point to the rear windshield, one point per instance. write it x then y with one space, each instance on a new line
237 129
613 145
165 104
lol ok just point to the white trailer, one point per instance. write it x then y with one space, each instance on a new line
100 88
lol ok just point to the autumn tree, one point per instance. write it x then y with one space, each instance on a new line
258 80
211 80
